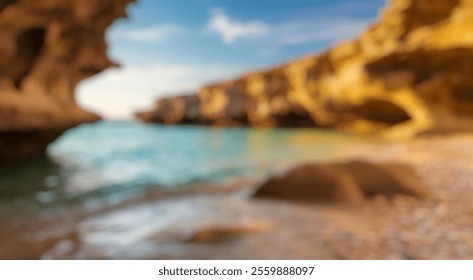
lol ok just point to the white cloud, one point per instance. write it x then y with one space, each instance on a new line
301 29
230 30
317 30
117 93
151 34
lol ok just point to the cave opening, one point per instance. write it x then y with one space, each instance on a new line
381 111
29 46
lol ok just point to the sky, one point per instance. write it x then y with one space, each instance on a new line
173 47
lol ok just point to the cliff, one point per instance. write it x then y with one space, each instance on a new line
408 74
182 109
47 48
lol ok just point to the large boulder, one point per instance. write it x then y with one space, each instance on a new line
350 182
47 48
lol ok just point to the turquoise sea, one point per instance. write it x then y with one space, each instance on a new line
112 160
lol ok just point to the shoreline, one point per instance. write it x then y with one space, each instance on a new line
221 221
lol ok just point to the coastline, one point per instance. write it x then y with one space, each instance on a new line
221 221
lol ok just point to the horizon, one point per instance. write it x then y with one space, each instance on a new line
169 49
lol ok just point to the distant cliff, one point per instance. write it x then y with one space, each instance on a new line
48 47
408 74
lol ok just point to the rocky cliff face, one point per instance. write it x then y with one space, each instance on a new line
183 109
48 47
410 73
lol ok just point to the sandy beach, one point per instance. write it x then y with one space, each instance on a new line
224 222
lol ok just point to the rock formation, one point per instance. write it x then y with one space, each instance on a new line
47 48
408 74
182 109
351 182
220 233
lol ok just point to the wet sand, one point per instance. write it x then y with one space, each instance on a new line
224 222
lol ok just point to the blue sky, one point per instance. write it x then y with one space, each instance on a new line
170 47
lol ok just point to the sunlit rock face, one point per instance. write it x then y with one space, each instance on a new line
48 47
408 74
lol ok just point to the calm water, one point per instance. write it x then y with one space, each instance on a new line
110 158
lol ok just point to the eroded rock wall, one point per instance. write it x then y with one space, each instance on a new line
48 47
408 74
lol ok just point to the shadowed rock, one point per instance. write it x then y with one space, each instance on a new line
217 234
182 109
351 182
